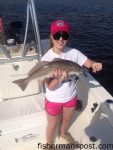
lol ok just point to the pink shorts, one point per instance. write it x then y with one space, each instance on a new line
53 108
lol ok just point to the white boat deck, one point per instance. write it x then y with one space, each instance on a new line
23 120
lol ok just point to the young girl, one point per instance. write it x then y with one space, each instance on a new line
61 100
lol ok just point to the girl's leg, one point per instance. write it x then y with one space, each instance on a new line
66 116
51 126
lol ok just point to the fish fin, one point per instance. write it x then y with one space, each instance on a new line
22 83
37 66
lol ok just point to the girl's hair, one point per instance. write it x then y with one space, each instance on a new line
50 42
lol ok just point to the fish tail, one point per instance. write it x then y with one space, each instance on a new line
22 83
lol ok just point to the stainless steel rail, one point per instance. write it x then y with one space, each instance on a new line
31 10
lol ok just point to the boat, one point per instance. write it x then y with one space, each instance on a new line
22 115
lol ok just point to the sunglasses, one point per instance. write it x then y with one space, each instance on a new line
64 35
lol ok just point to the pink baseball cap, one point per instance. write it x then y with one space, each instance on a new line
59 25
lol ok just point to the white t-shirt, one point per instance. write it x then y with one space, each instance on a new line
65 91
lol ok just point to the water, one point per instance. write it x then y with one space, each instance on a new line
91 24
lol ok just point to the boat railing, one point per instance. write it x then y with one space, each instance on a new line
24 51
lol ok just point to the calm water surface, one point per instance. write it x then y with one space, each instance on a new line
91 24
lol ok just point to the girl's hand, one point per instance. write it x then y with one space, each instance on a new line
60 75
96 67
57 73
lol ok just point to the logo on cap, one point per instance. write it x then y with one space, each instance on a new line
60 23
